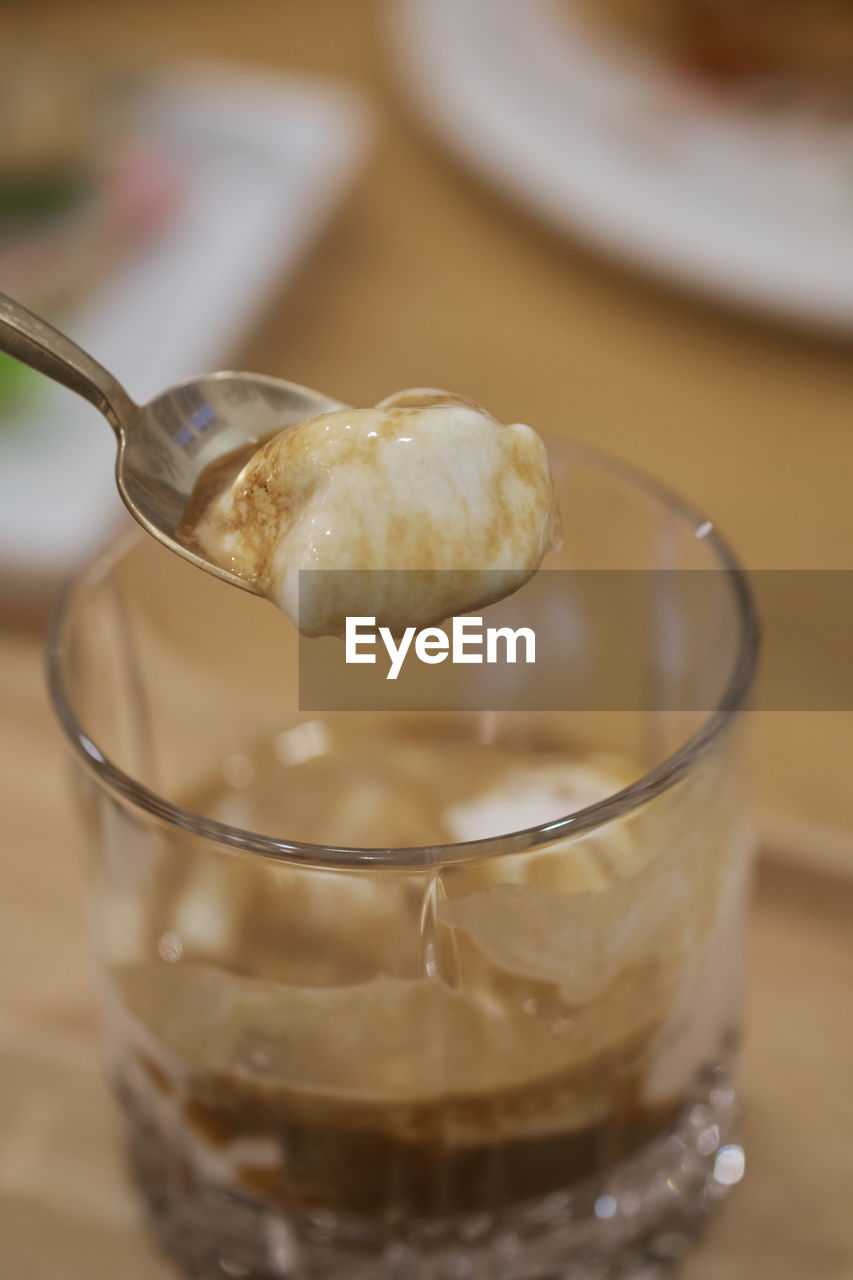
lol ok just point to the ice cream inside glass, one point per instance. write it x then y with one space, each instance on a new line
429 995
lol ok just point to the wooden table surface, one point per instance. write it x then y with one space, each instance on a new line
426 279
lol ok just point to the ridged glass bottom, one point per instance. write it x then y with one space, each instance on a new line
633 1223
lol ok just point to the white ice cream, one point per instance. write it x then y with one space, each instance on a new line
426 482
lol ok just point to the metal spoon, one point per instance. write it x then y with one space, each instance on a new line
163 446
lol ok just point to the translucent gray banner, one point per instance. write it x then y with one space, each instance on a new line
586 640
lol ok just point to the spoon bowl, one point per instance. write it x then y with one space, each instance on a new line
164 445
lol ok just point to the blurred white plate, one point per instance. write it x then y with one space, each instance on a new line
265 161
753 208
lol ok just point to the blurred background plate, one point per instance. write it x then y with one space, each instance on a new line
750 204
262 162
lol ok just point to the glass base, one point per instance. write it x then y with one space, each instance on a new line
633 1223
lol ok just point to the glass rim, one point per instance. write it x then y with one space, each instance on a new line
666 774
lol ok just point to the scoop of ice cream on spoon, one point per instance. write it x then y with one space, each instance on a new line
410 512
417 510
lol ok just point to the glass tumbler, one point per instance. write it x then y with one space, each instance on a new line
434 996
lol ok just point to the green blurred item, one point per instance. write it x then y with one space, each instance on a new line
39 197
17 383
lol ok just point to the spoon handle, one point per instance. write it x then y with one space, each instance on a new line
45 349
